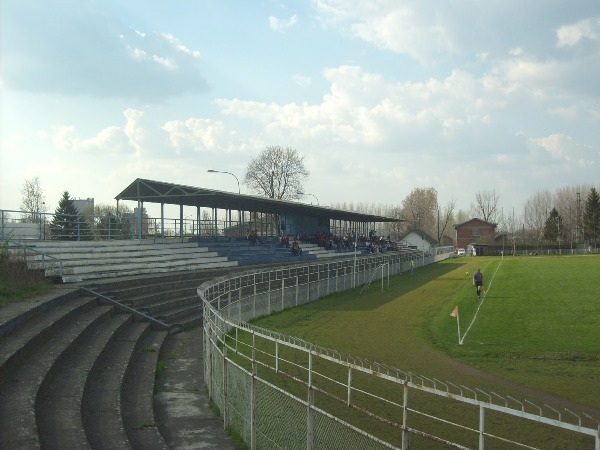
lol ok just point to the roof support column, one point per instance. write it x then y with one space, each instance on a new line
215 222
162 221
230 225
198 217
181 222
139 218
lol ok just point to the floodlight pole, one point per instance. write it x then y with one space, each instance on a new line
240 213
229 173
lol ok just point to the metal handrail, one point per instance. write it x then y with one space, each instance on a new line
16 244
129 309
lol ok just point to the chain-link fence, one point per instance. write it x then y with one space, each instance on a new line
279 391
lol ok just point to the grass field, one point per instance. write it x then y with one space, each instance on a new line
536 334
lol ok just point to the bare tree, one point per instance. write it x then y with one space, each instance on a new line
419 210
486 205
536 211
33 201
277 172
461 216
445 217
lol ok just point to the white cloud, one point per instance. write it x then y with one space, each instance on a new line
574 34
76 44
302 80
109 140
362 108
564 148
281 25
197 135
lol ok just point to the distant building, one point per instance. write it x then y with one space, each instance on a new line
84 205
476 233
135 218
420 240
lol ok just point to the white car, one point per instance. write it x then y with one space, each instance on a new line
461 252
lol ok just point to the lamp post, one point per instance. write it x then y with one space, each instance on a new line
240 213
306 193
229 173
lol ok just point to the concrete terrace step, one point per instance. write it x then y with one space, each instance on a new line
137 400
102 412
17 340
115 272
70 260
160 308
59 402
21 382
77 261
163 297
128 265
75 373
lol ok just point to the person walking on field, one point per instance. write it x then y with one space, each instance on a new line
478 282
412 266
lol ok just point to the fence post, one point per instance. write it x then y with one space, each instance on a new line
240 301
229 299
481 427
318 283
297 289
282 293
310 417
405 433
224 387
349 395
253 397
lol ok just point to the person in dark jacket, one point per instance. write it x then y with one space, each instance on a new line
478 282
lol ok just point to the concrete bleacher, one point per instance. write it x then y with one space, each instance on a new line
77 371
268 252
81 369
75 261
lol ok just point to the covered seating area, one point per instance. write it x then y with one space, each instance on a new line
233 215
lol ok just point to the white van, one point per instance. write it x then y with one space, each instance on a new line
460 252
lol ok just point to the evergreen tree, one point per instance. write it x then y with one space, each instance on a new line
67 224
554 230
591 218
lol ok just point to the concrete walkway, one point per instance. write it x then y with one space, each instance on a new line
181 403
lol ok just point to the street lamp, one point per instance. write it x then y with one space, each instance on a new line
229 173
240 213
306 193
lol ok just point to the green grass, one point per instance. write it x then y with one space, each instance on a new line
17 283
535 337
537 325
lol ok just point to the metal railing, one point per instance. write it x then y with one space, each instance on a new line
279 391
16 248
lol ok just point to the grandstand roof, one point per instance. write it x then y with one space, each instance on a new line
177 194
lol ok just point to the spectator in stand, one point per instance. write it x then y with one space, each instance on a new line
254 238
296 250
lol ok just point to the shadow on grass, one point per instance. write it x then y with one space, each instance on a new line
402 284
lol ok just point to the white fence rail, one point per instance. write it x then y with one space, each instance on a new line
279 391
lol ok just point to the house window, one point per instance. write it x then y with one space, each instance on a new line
475 232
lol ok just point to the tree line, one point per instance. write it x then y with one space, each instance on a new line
569 215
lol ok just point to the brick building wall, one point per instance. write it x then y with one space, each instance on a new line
474 231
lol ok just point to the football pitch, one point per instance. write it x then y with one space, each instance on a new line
534 335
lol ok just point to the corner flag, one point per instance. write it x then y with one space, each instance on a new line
454 314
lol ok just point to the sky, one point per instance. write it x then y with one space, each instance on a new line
379 97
